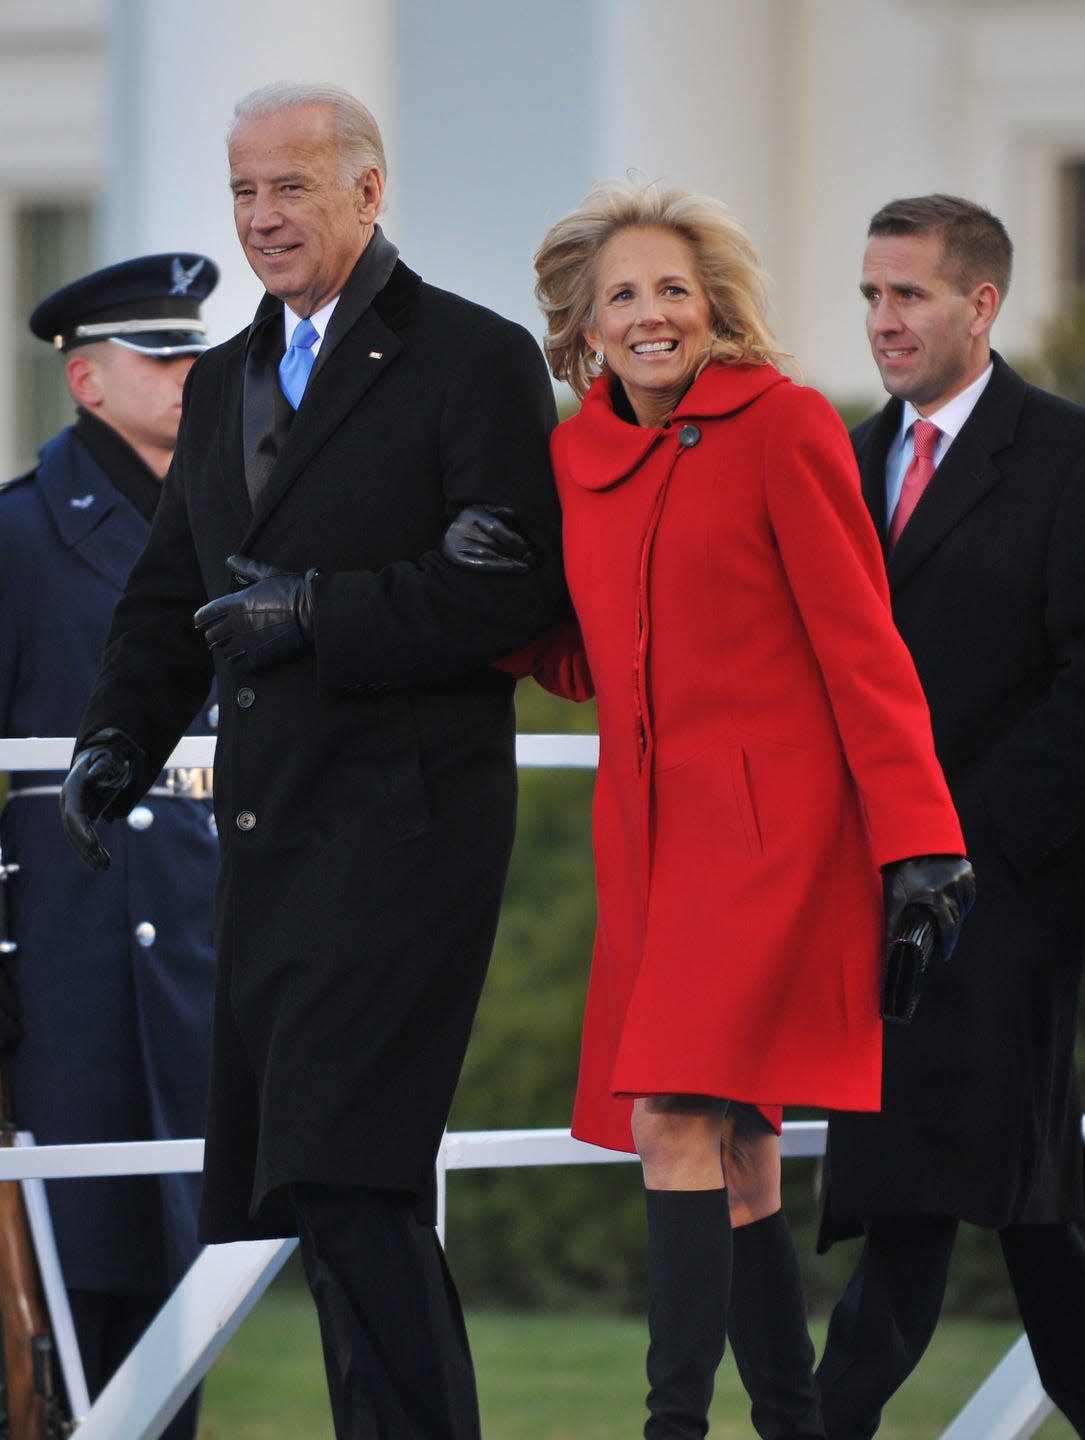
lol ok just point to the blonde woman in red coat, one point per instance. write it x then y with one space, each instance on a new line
765 758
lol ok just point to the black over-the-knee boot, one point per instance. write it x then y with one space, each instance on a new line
689 1278
769 1339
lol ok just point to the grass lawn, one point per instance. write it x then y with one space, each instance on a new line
552 1377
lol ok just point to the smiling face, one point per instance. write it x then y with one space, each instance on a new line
650 317
929 339
301 223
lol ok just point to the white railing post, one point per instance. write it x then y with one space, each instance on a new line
442 1187
187 1335
1009 1405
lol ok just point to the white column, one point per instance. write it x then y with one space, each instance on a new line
500 105
175 72
692 97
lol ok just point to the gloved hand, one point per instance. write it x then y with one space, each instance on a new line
480 539
268 622
100 771
942 885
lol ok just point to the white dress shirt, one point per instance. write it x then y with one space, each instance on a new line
949 419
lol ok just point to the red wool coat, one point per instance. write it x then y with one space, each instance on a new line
764 748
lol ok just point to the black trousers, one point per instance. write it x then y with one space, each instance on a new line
887 1314
395 1346
107 1325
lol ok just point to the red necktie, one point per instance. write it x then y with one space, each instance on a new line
925 436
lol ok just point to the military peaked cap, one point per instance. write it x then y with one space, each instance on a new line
150 304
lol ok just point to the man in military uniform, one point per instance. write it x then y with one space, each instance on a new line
113 975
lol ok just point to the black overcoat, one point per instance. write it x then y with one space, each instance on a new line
982 1111
365 794
115 972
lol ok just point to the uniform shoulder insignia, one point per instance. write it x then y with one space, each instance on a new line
16 480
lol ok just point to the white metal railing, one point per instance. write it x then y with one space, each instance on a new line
567 752
225 1281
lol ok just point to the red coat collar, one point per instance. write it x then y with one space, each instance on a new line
597 448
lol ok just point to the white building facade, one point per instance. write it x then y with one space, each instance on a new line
804 115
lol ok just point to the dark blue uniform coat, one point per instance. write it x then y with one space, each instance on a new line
116 1032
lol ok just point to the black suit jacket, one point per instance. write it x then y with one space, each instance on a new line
982 1109
365 794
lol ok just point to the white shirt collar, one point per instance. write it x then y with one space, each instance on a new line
951 416
319 318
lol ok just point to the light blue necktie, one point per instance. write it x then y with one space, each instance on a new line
297 364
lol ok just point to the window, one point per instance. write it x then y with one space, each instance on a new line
1073 224
52 246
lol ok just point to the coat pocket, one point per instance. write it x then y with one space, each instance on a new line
705 806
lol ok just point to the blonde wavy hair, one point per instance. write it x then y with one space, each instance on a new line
727 264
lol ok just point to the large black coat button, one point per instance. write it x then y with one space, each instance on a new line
245 696
246 820
689 435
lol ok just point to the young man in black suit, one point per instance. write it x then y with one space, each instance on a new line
366 775
981 1117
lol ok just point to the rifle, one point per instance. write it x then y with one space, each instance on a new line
31 1405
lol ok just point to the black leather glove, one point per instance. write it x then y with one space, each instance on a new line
268 622
480 539
99 773
944 886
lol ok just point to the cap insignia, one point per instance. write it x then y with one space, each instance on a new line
181 277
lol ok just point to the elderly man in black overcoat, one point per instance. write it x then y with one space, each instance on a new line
981 1117
365 773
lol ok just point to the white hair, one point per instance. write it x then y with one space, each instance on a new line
357 132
